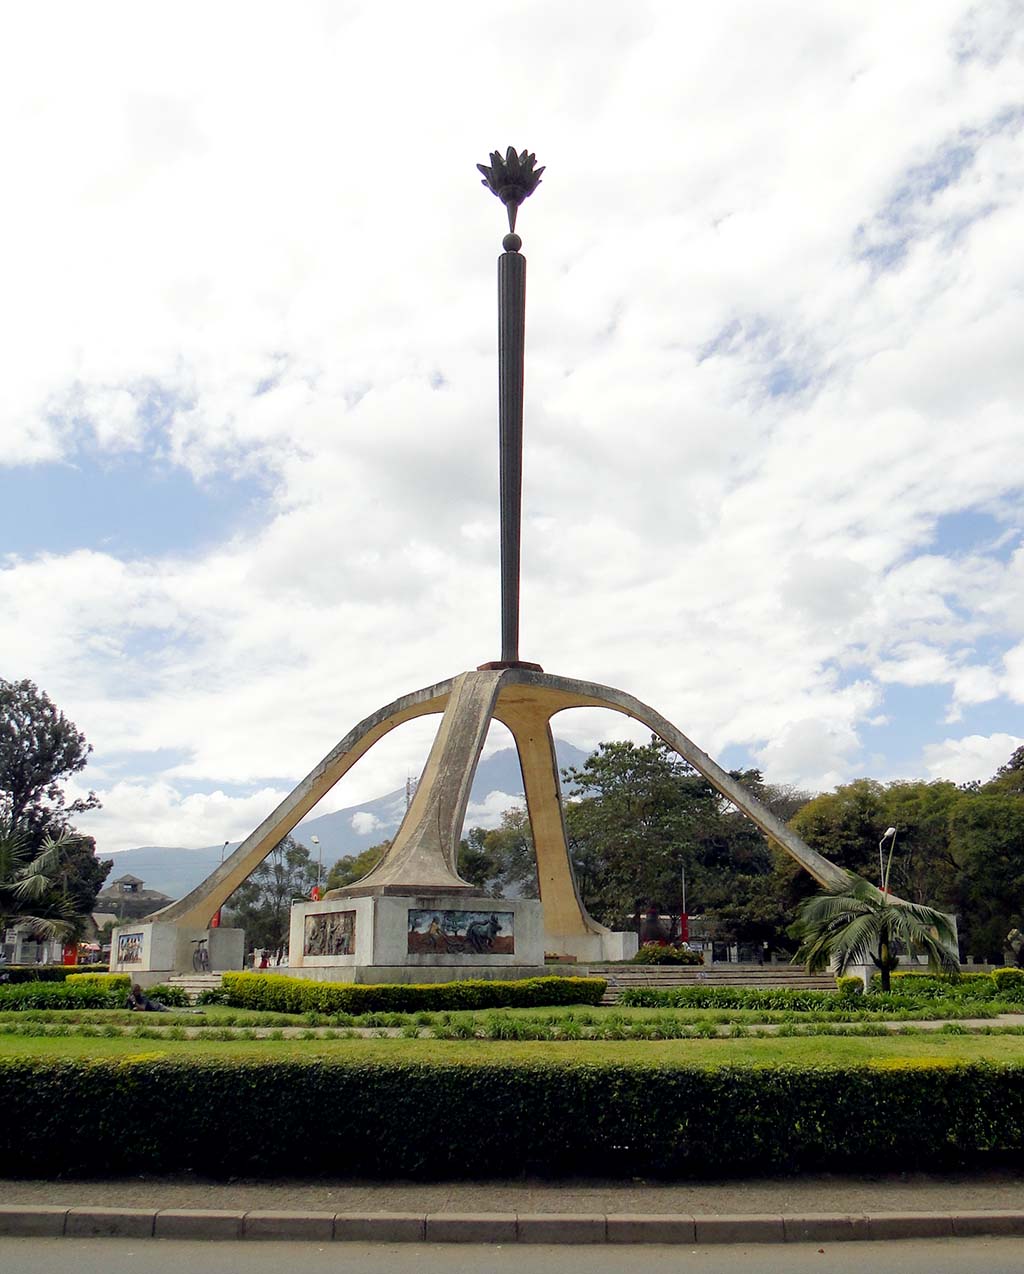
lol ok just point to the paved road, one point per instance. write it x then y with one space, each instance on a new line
156 1256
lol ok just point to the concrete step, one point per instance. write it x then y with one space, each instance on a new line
760 977
193 984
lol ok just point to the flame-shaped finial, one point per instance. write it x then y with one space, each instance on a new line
512 178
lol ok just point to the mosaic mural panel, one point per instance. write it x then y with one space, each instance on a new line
330 933
461 933
129 948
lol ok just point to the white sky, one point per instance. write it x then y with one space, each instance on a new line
248 409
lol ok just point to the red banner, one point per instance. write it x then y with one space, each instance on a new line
684 926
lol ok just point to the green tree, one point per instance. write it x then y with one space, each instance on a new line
633 817
30 890
986 833
639 816
849 821
1009 778
81 874
856 923
745 891
39 749
501 860
353 867
959 848
262 904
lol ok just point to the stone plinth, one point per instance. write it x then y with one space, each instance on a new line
154 947
431 936
607 945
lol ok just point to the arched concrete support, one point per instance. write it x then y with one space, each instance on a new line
196 908
524 701
423 857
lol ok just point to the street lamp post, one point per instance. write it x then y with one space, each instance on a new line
319 862
883 872
684 919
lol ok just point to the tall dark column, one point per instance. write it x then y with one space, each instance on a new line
513 178
511 345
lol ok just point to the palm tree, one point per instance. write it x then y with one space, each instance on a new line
857 923
29 892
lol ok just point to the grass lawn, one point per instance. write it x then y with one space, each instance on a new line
771 1050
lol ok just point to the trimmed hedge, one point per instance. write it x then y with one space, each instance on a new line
45 972
61 995
442 1121
1009 984
104 991
277 993
106 981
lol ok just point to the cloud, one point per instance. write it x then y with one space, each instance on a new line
487 813
811 753
976 756
363 823
136 813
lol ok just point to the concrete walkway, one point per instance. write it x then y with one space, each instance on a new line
803 1209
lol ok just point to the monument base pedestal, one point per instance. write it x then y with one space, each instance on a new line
405 974
156 947
416 937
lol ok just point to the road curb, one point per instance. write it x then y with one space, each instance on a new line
500 1227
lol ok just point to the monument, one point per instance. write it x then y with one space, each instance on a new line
413 917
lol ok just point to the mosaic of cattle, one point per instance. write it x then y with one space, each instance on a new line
461 933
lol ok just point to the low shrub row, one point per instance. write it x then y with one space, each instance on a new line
109 981
1004 984
502 1119
109 992
702 996
44 972
1009 984
792 999
279 994
655 953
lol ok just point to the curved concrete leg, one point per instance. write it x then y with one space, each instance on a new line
423 858
196 908
565 918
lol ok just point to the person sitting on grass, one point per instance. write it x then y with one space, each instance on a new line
140 1002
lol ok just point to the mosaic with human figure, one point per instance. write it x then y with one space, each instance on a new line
129 948
330 933
461 933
